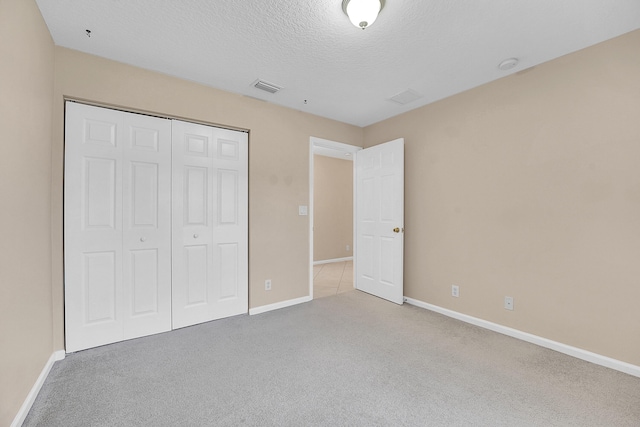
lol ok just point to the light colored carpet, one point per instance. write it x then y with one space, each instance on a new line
345 360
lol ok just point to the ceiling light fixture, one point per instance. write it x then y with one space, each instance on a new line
362 13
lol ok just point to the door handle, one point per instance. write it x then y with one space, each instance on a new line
396 230
142 239
195 236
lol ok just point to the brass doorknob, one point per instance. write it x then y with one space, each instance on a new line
396 230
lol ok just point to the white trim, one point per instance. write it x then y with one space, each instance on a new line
311 216
330 261
326 144
278 305
576 352
354 239
31 397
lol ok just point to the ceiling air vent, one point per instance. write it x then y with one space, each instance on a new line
266 86
405 97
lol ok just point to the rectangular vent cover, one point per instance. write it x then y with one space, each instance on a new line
266 86
405 97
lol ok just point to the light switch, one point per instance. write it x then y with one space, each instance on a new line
303 210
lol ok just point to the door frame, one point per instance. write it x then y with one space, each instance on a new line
320 146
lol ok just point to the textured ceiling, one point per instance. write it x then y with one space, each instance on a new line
435 48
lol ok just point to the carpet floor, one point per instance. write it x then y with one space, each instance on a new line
345 360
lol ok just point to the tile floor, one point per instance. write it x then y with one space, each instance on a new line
332 279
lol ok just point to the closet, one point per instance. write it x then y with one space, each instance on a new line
155 225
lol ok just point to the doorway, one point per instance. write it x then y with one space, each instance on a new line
331 222
378 242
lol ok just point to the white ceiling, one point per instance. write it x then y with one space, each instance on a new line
435 48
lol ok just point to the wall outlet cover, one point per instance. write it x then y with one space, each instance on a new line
508 303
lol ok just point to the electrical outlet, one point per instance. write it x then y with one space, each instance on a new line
267 285
508 303
348 247
455 291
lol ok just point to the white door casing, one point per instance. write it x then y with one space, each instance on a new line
210 223
380 220
116 229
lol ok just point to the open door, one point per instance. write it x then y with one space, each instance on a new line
380 220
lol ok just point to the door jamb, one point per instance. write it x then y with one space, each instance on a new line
317 146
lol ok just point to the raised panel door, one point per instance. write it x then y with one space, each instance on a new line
380 220
231 253
192 223
117 226
156 225
146 225
210 223
93 226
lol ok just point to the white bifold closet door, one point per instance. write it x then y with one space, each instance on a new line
210 223
155 225
117 226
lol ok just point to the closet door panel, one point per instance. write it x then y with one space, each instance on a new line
93 226
117 226
156 225
196 275
211 217
230 232
147 225
192 224
145 292
99 286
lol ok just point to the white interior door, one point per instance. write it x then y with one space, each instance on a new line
380 220
210 223
117 231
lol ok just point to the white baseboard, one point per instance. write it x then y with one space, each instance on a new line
31 397
278 305
329 261
579 353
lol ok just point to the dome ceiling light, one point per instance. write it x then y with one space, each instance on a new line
362 13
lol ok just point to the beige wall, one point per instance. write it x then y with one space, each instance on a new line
278 162
530 187
26 90
332 208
